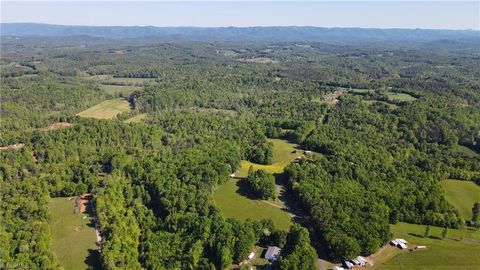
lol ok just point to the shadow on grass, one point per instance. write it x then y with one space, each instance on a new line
93 259
244 189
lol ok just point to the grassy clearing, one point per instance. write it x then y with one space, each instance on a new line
72 236
400 97
284 153
233 203
107 109
462 195
450 253
467 151
119 89
370 102
137 118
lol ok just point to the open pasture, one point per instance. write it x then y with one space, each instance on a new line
462 195
107 109
73 236
458 251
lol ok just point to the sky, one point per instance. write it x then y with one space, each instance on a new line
371 14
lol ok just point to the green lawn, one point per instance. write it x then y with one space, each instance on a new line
72 237
107 109
400 97
451 253
233 203
462 195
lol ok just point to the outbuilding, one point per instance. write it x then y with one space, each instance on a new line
272 253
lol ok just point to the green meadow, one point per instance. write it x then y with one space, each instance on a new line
233 203
73 239
462 195
120 89
458 251
107 109
395 96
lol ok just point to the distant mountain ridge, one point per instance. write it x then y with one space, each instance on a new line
271 33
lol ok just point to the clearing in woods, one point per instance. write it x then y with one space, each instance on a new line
395 96
120 89
107 109
137 118
234 203
462 195
73 236
458 251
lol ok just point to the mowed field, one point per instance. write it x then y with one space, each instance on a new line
234 204
107 109
72 236
462 195
282 155
400 97
460 250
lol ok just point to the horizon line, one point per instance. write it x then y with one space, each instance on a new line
250 26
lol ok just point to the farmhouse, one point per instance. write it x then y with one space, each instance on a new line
272 253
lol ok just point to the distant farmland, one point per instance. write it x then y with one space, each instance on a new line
107 109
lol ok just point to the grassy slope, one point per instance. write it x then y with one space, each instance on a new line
462 195
454 252
235 205
69 245
107 109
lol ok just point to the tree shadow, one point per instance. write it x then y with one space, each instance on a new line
244 190
93 259
416 235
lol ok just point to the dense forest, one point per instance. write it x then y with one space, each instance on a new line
375 160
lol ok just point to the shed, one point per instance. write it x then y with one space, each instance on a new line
272 253
338 268
402 246
251 255
362 261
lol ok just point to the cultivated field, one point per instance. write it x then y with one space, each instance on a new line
107 109
73 239
462 195
233 202
458 251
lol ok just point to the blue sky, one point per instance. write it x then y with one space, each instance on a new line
378 14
